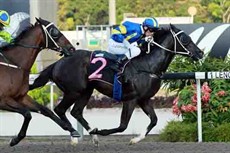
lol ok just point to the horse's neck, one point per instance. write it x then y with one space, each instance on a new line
160 61
159 58
157 61
22 56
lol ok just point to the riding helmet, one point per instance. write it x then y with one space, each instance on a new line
4 18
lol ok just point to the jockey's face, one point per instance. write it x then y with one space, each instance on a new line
148 32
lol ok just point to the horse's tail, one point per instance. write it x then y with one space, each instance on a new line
43 78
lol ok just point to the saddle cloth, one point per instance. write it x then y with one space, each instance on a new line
100 70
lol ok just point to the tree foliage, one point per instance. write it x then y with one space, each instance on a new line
78 12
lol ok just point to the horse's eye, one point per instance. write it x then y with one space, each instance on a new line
54 32
185 40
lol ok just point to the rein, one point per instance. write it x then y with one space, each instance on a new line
175 37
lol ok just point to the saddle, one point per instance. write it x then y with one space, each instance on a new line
103 68
101 63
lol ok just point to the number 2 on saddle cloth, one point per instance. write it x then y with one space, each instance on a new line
99 69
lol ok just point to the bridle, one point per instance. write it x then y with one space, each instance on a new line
48 38
175 38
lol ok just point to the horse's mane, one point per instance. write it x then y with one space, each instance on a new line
19 37
159 33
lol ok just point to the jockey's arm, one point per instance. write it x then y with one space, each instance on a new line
6 36
118 33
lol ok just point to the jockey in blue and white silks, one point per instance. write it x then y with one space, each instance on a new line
127 36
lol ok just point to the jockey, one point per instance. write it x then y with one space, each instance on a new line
4 22
127 36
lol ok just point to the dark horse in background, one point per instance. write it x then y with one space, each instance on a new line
140 79
16 61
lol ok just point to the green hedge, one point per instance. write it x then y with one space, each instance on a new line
178 131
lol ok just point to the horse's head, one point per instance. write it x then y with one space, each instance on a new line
184 45
53 38
172 40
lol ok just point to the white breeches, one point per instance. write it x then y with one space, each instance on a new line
120 48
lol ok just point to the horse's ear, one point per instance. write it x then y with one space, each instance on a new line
172 26
38 20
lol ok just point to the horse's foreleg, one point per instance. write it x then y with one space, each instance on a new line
36 107
126 114
147 107
13 106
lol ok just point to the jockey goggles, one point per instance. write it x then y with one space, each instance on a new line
152 29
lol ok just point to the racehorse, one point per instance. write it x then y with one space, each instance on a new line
16 61
140 79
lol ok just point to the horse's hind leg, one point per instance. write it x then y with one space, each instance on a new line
77 112
36 107
147 107
61 108
13 106
79 105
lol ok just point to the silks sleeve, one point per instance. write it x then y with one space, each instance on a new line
118 33
6 36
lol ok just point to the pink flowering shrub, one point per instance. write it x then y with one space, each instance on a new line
215 101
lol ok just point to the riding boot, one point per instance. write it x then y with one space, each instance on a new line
119 63
122 59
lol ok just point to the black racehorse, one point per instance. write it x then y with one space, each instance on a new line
140 79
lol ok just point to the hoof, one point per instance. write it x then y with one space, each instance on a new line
95 140
136 139
75 134
14 141
74 141
131 142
